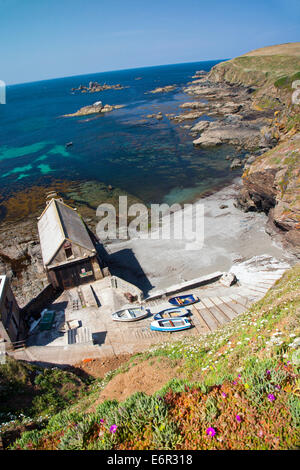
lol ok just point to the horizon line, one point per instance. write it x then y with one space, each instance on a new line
115 70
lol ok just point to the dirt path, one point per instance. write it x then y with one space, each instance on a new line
148 377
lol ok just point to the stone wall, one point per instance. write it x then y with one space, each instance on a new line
38 303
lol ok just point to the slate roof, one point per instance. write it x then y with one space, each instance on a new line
58 223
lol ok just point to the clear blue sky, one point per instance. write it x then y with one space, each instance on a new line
41 39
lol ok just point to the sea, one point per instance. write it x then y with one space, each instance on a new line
153 160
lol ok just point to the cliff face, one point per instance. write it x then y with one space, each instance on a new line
271 182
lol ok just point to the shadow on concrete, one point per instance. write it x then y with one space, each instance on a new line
125 265
99 337
101 251
60 306
42 338
36 305
96 297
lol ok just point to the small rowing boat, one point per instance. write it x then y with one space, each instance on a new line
182 300
172 313
130 314
176 324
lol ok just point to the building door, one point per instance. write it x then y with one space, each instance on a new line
75 274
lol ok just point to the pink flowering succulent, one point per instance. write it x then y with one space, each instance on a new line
210 432
113 428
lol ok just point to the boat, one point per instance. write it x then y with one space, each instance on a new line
130 314
182 300
174 324
172 313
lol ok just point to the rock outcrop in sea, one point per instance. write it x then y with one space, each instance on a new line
165 89
95 108
95 87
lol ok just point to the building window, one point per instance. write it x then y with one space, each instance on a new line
69 252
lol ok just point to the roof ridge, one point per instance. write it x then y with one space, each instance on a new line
59 218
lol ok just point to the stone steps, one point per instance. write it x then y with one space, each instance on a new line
81 335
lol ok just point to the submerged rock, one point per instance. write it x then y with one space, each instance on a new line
164 89
237 163
156 116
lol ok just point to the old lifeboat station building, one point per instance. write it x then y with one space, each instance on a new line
69 255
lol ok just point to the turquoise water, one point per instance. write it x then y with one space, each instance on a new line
153 160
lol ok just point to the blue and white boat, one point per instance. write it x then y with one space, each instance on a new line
182 300
172 313
176 324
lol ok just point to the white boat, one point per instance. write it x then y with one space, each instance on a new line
130 314
174 324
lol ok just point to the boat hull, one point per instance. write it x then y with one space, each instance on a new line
171 325
123 316
172 313
183 300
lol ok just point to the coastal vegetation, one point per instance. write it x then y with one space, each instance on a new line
235 388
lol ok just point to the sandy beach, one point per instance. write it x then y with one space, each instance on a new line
231 238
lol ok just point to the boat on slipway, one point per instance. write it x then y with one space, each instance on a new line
183 300
130 314
172 313
174 324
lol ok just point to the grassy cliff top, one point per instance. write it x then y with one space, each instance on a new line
289 48
261 68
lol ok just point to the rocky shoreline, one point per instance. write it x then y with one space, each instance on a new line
232 119
254 113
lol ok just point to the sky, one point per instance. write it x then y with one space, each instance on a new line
43 39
